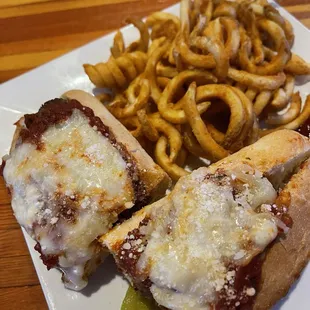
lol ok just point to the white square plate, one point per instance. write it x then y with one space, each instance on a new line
26 93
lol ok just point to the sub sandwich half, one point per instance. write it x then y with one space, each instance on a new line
73 171
226 234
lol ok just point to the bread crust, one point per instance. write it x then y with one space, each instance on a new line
276 155
156 181
289 255
280 153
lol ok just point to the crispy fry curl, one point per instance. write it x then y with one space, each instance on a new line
206 84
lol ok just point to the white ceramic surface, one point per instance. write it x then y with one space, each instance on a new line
26 93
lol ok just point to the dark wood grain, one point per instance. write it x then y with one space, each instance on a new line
12 243
33 32
17 271
25 297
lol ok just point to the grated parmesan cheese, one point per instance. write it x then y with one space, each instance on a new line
208 226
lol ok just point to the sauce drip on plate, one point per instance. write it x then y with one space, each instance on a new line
305 128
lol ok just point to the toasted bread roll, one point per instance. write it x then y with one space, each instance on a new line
289 254
73 171
202 246
275 155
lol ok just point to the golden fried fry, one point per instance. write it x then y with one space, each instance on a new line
233 37
283 95
173 135
162 82
118 47
192 58
208 144
167 94
212 42
166 29
225 9
174 171
143 43
191 143
150 70
117 73
275 66
155 45
254 134
165 105
273 14
297 66
271 82
134 103
274 30
166 71
297 122
288 116
147 126
249 119
240 86
133 125
161 17
262 101
232 100
247 17
251 93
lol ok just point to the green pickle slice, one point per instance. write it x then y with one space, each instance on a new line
135 301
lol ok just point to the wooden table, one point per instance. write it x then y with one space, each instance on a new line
33 32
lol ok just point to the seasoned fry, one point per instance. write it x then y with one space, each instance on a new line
225 9
192 58
288 116
191 143
207 83
272 14
251 93
166 29
118 47
297 66
262 101
174 171
134 103
165 105
248 19
254 134
162 82
275 66
161 17
297 122
282 96
150 70
271 82
233 37
147 126
143 43
274 30
166 71
117 73
208 144
133 125
249 118
217 49
173 135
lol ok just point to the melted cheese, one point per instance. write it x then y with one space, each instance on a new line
77 164
210 220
